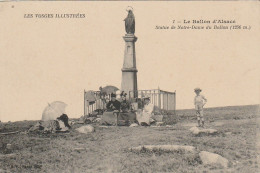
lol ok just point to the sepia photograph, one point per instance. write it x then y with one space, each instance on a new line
129 86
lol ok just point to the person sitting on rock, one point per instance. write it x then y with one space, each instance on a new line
144 116
65 119
126 115
125 106
113 104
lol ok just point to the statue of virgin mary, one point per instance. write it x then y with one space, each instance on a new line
130 22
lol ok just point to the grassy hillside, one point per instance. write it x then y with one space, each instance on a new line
105 150
222 113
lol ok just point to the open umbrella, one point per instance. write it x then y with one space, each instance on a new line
53 110
109 89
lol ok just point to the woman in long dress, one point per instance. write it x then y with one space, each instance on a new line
144 116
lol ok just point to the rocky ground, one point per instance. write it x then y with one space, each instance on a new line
107 148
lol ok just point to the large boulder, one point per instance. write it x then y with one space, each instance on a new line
208 158
86 129
109 118
166 148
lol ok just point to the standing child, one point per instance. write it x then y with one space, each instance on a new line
199 102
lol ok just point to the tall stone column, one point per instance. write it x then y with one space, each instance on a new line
129 71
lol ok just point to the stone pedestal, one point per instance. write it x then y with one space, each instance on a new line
129 71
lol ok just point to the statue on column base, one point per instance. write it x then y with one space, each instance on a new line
130 22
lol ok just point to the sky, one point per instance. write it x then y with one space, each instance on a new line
44 60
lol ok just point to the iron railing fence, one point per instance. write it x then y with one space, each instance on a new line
163 100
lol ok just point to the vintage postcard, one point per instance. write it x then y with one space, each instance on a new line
129 86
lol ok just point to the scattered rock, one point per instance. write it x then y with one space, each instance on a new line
9 146
7 155
158 118
79 149
64 129
107 126
133 125
24 133
228 133
164 148
104 126
9 133
208 158
159 123
197 131
86 129
188 124
89 120
218 123
71 122
80 122
97 120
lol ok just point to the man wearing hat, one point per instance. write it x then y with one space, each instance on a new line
109 117
199 102
126 115
113 104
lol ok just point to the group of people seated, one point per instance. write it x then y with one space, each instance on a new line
115 105
126 113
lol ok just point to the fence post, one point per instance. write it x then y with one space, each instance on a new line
84 104
150 95
154 98
175 102
167 102
87 108
159 98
